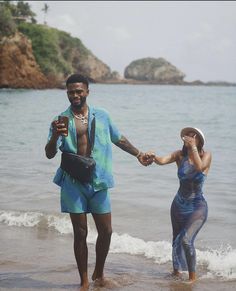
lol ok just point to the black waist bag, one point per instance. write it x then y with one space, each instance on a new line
79 167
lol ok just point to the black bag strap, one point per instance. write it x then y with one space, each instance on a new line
92 134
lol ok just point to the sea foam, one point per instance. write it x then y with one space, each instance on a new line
219 263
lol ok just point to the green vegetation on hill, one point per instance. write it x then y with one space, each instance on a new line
55 51
7 24
11 14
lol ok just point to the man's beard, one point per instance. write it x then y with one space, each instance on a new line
80 105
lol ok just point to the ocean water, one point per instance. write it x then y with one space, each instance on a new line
36 239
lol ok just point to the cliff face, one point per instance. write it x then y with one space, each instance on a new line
43 57
153 70
92 67
18 68
59 54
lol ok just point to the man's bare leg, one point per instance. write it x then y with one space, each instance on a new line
79 223
103 224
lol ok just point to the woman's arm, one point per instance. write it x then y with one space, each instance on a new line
202 164
171 158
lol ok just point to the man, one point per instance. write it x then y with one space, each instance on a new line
79 198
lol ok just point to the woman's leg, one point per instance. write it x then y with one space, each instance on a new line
194 224
176 229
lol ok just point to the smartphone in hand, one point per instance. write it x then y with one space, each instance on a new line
65 121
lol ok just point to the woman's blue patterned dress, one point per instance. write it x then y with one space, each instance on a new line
188 214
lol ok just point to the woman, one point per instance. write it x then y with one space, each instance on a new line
189 208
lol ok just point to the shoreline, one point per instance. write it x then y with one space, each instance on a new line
45 261
131 82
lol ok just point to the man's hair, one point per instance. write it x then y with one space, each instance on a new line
77 78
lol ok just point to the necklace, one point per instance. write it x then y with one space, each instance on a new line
81 117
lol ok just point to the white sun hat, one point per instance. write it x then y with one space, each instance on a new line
185 130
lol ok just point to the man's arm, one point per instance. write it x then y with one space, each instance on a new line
57 130
126 146
51 147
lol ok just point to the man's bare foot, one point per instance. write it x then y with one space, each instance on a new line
94 276
107 283
84 287
102 282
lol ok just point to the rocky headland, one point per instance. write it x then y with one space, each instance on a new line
37 56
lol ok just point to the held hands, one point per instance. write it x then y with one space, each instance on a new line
146 159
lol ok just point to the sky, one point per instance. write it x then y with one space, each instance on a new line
197 37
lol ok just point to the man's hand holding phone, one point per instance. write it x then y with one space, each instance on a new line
60 126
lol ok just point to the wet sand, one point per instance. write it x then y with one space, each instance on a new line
22 278
32 259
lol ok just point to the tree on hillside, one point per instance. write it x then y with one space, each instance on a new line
12 14
20 11
45 10
23 10
7 24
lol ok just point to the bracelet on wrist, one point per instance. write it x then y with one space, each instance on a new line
194 149
139 154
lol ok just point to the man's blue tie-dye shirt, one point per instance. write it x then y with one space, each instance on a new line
106 133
